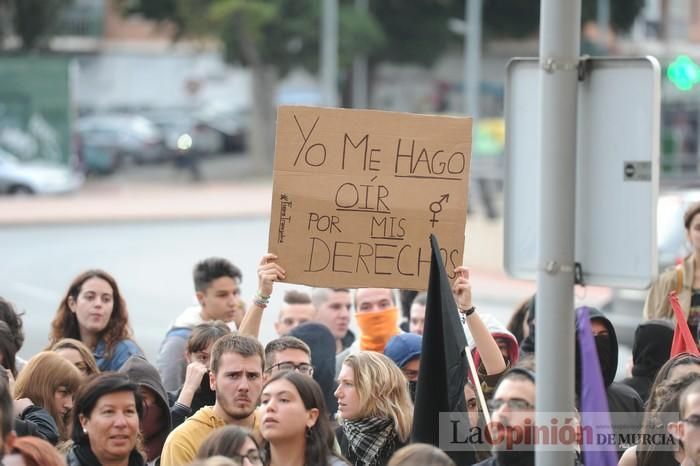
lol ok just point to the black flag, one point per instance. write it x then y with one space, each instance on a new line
443 366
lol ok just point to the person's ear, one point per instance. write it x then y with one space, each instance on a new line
676 429
83 421
188 356
71 304
200 298
212 381
312 417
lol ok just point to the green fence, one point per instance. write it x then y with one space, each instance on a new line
35 107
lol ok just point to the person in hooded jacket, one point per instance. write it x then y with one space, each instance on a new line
322 344
507 345
196 392
155 424
651 349
622 399
217 286
404 349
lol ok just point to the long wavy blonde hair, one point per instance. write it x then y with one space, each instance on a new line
382 389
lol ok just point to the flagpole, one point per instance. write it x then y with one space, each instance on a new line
560 25
477 386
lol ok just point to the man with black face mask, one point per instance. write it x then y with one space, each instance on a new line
624 403
404 350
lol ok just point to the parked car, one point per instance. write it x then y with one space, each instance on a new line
36 177
183 132
133 137
626 306
231 123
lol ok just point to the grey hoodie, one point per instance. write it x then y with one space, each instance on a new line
142 373
171 361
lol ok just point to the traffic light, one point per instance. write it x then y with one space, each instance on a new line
683 72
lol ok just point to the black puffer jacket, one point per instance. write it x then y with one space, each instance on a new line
37 422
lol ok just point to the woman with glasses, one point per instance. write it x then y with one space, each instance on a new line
94 312
232 442
374 407
295 422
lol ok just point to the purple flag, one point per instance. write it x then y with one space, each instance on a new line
595 416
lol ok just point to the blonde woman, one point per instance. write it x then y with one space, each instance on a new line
374 407
78 354
49 381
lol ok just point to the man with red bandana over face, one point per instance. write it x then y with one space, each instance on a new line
378 318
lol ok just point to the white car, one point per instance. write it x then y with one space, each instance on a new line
36 177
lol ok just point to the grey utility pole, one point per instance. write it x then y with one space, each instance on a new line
472 58
603 20
560 36
329 52
360 78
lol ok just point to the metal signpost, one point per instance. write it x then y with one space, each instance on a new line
560 25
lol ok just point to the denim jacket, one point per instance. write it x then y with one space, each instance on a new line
122 351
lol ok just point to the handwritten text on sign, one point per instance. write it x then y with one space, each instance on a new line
357 194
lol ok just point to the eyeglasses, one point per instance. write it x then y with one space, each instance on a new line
253 457
692 420
516 404
303 368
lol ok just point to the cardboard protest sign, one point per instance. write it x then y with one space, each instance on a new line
357 194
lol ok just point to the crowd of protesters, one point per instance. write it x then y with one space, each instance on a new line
319 395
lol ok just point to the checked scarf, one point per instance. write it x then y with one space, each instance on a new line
369 437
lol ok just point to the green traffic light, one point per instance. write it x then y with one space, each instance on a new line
684 73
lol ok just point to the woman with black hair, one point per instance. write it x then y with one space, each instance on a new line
106 416
295 423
